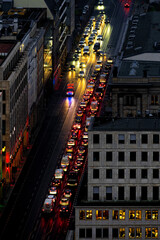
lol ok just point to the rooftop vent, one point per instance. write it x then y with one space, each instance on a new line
132 72
134 64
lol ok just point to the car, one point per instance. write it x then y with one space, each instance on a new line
85 142
93 35
99 37
78 50
100 2
85 135
126 5
78 119
97 26
93 76
53 197
99 62
79 163
79 113
72 68
81 149
85 34
59 173
81 74
103 85
65 160
92 18
48 206
70 156
84 11
64 167
86 98
75 57
64 201
64 211
77 125
70 89
107 21
71 142
86 7
67 193
83 106
53 191
74 135
76 168
97 68
82 43
95 32
94 106
82 65
69 149
87 29
89 90
110 60
96 46
56 183
103 78
90 41
80 157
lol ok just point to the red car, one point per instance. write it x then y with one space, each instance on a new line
126 5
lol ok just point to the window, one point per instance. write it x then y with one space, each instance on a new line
108 138
131 232
131 215
95 173
109 173
154 99
115 232
3 95
4 109
138 232
3 127
144 173
138 215
98 214
120 173
132 156
88 232
105 214
89 214
105 233
98 232
135 215
82 233
82 215
144 156
148 233
122 214
155 173
95 156
108 193
120 193
144 139
155 156
102 214
155 214
143 193
155 193
148 215
95 193
132 193
95 138
121 138
121 157
132 138
122 232
132 173
155 139
115 214
108 156
154 232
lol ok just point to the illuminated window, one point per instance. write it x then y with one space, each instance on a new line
138 215
89 214
154 232
131 233
155 214
81 214
121 214
148 233
98 214
131 215
138 232
148 215
122 232
115 214
105 214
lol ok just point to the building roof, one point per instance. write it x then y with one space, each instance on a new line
126 124
5 48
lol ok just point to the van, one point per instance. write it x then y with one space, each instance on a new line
86 50
96 46
48 206
59 173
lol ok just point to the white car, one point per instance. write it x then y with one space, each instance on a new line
81 74
84 12
99 37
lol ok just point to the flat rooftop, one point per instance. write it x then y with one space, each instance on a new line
5 49
125 124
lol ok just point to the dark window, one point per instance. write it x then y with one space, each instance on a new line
95 193
144 173
95 156
109 138
3 127
4 109
132 193
88 232
120 173
132 138
120 193
155 173
155 138
155 193
3 95
121 138
95 173
144 138
144 193
98 232
108 156
115 232
144 156
132 173
108 193
96 138
121 156
82 233
105 233
133 156
109 173
155 156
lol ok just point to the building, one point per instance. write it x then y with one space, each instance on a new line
123 190
135 84
21 82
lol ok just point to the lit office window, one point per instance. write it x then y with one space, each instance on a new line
138 232
154 232
122 233
148 215
105 214
155 214
121 214
82 215
138 215
131 215
131 232
89 214
115 214
148 233
98 214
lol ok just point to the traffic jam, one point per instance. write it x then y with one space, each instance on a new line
68 173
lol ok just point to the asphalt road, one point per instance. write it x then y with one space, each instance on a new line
22 216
